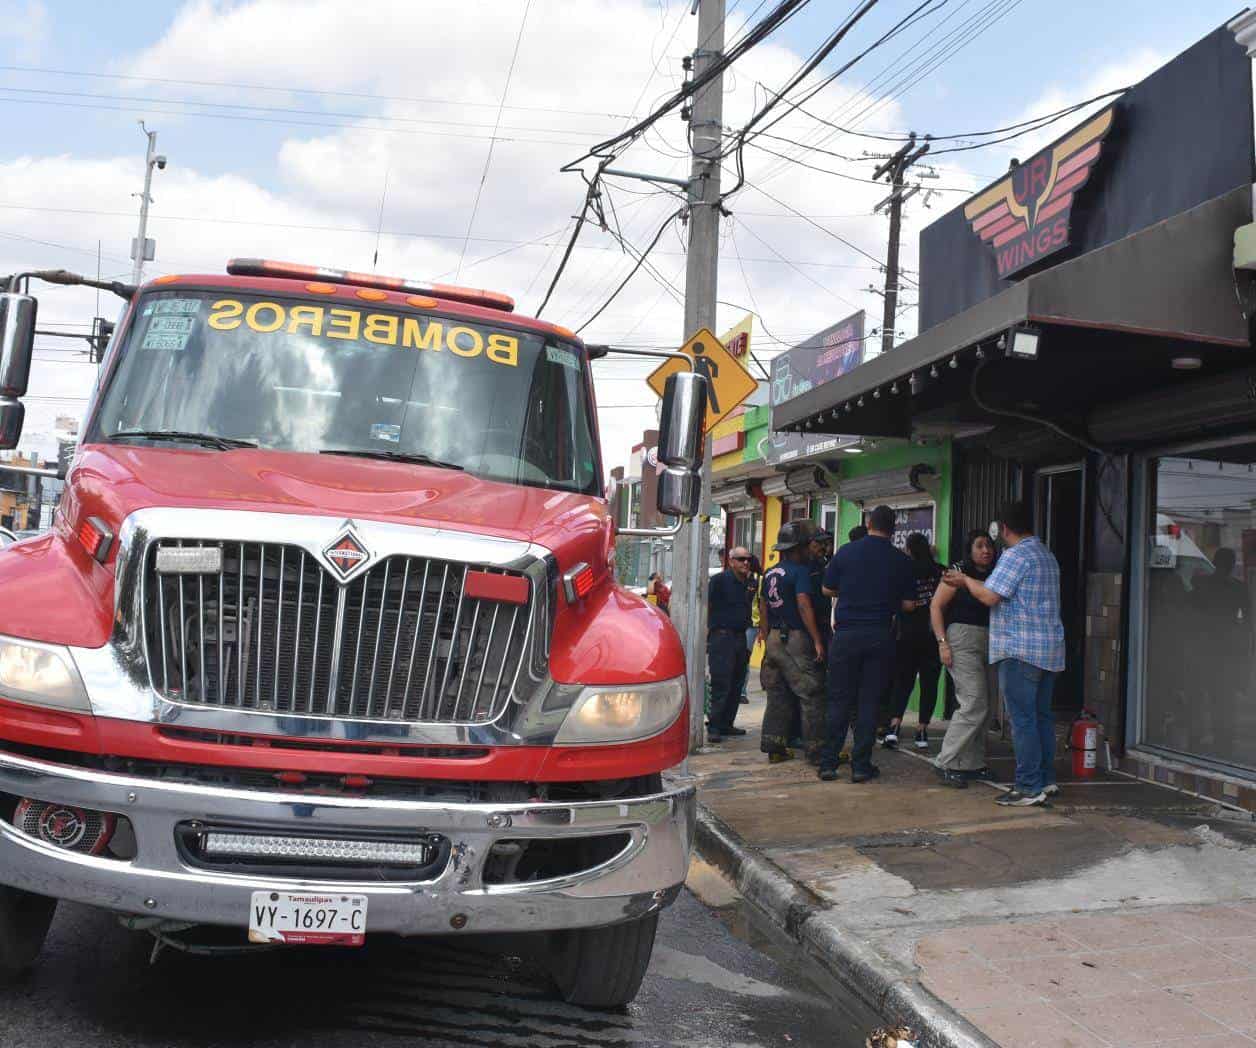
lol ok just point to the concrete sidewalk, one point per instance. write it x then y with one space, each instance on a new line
1122 915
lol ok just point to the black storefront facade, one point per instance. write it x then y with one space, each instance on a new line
1086 345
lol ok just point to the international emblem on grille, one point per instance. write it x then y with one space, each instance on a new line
345 554
63 826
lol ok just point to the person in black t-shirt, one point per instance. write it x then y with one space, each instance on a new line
961 629
872 582
793 658
917 648
728 618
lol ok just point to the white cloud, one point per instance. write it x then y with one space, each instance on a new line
586 58
24 26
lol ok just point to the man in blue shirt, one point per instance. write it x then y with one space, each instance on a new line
872 582
1027 644
793 658
728 618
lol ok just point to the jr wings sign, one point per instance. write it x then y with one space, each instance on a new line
1025 217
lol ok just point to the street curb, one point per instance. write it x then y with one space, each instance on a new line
890 990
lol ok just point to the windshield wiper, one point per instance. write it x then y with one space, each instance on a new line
416 457
206 440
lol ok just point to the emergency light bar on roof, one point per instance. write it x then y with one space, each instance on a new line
261 267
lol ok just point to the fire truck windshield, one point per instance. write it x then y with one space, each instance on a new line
319 375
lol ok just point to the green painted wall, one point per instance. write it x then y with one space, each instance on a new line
898 457
756 424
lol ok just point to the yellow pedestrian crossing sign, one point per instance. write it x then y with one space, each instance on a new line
728 383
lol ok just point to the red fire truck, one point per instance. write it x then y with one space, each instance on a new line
325 640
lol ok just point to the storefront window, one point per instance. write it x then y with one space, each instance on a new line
1201 587
748 532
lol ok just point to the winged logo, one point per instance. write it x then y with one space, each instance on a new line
1025 216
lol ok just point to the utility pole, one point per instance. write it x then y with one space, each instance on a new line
692 548
893 170
139 249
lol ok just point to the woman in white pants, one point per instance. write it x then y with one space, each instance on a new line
961 624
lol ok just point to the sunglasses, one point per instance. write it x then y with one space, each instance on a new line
739 558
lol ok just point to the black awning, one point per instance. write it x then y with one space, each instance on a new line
1113 317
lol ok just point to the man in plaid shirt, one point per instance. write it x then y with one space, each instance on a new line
1027 644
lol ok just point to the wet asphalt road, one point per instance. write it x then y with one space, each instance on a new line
706 987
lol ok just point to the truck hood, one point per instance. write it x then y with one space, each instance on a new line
113 480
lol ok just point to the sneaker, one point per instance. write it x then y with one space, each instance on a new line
780 757
890 740
738 732
953 779
1051 790
866 775
1016 799
980 775
922 739
828 774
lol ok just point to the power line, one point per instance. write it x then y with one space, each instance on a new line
488 160
810 221
778 16
830 291
624 283
237 86
288 122
941 51
1042 119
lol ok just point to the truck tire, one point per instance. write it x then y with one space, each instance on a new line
603 967
24 921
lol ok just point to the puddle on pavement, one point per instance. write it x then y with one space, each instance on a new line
852 1020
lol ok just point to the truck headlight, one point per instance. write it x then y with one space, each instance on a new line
622 713
40 674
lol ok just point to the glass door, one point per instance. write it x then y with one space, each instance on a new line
1199 601
1060 512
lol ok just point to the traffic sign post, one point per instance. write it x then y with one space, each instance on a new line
728 382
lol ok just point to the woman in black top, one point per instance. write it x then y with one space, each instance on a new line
961 629
917 656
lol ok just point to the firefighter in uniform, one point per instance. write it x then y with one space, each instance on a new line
794 655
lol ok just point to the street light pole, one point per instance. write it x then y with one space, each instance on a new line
151 159
702 269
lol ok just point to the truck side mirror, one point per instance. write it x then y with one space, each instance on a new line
17 346
679 492
680 423
680 444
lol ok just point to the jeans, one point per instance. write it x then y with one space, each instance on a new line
727 659
861 662
1027 693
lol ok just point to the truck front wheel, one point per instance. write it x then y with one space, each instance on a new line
24 921
603 967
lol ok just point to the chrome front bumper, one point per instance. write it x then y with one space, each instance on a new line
645 876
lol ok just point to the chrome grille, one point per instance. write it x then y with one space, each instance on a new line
274 631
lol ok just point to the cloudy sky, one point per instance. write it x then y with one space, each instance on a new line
284 120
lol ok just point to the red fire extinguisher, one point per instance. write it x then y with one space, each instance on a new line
1084 742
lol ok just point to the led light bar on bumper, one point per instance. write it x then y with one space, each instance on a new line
622 713
41 675
217 844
